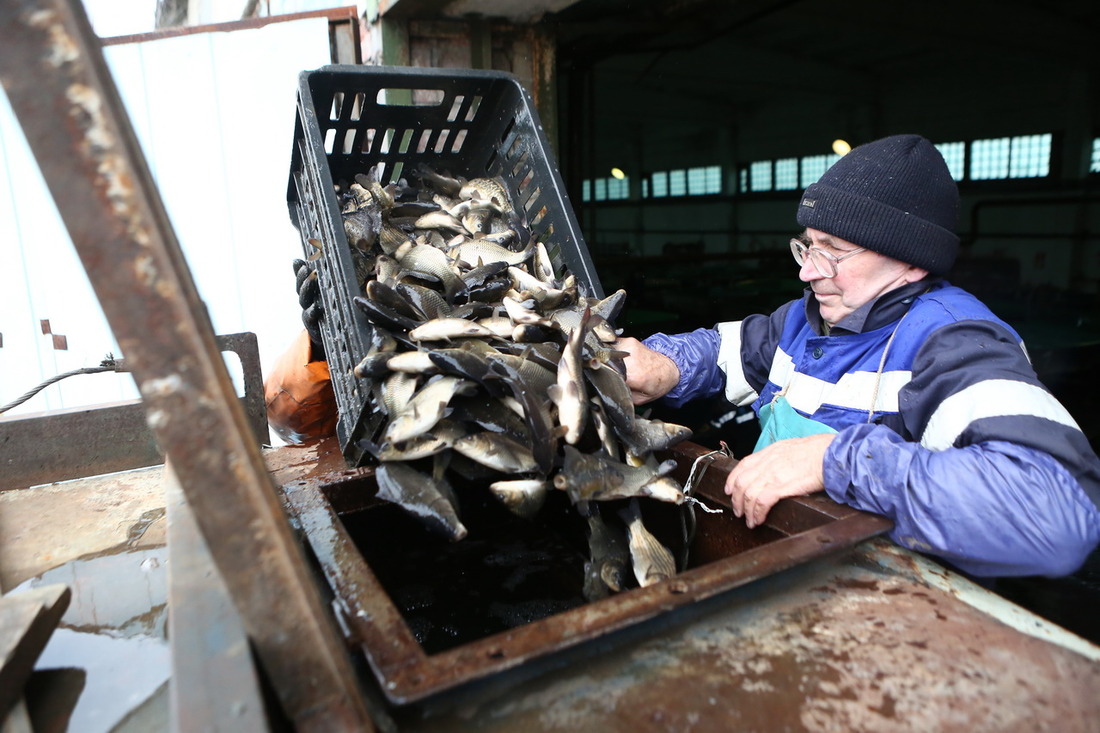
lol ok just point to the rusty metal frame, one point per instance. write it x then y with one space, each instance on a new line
59 445
797 531
64 96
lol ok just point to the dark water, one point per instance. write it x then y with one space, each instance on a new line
507 572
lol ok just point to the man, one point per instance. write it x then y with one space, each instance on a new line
890 389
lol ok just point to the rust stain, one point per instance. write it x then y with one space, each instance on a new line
859 653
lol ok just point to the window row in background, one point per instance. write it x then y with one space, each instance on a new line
1025 156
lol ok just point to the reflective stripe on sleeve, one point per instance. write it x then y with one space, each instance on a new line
738 390
991 398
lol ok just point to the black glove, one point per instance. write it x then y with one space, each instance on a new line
309 297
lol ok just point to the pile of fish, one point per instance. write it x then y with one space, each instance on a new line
490 363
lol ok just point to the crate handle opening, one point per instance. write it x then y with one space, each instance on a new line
405 97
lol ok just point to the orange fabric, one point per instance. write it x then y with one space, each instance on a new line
301 405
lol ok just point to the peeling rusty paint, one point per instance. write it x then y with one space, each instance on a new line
61 48
864 650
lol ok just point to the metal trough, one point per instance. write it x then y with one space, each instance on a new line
724 555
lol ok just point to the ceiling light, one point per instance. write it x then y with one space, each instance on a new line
618 173
841 147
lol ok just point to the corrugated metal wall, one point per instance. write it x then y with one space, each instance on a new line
214 113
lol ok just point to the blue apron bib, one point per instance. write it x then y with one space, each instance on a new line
779 421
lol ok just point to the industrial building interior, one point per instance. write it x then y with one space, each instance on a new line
684 132
655 87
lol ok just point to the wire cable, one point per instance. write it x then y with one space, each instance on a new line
109 364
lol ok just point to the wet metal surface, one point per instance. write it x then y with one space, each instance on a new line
111 645
850 642
27 620
726 555
62 93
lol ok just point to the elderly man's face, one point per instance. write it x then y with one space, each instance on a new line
859 279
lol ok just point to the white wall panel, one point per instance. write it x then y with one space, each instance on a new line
214 114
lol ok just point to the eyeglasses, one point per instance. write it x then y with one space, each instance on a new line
824 263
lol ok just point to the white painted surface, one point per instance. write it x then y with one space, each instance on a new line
214 114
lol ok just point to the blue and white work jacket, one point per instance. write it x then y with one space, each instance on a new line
943 425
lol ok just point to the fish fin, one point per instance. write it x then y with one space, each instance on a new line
370 447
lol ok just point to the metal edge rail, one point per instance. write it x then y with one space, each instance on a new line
63 94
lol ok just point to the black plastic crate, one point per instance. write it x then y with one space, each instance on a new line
470 123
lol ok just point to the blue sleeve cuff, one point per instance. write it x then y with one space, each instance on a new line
695 354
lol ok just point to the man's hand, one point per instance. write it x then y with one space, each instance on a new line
649 374
792 467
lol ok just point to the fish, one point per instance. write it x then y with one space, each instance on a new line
483 273
568 393
441 221
609 557
356 197
650 435
492 363
396 391
421 496
472 310
595 477
500 326
487 189
413 362
608 308
391 238
386 269
543 266
439 439
476 215
446 329
393 299
373 366
475 252
497 451
411 209
652 562
520 313
383 316
425 300
383 196
545 296
543 353
361 227
426 260
426 408
544 440
523 497
537 377
610 387
490 291
489 413
471 365
608 440
439 182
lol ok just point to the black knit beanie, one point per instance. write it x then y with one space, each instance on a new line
894 196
